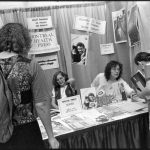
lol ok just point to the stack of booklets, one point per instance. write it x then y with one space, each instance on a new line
76 123
93 116
130 106
59 128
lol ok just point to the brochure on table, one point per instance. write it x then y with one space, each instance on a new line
70 105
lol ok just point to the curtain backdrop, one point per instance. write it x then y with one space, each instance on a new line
122 50
142 15
62 18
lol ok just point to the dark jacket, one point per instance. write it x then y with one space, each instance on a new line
70 91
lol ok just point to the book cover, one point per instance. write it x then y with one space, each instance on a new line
88 97
138 81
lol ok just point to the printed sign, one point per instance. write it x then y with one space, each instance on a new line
70 105
89 24
39 22
97 26
106 48
44 42
47 61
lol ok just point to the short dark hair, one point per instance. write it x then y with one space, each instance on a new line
108 68
142 56
80 44
54 81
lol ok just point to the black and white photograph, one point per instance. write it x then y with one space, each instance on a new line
119 26
79 49
74 75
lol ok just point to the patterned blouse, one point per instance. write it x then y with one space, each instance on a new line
22 77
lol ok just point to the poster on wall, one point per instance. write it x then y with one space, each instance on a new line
119 26
107 48
89 24
133 29
39 22
88 97
44 42
47 61
79 48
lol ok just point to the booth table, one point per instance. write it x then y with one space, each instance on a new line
130 132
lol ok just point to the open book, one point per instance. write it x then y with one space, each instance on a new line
138 81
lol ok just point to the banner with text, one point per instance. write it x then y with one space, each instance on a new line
44 42
89 24
39 22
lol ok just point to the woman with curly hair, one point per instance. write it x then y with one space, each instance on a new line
28 84
112 83
63 87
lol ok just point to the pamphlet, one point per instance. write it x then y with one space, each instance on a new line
111 111
76 123
60 128
138 81
130 106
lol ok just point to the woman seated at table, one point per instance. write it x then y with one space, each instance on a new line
62 87
112 83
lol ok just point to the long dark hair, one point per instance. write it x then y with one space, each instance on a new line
54 81
108 68
141 56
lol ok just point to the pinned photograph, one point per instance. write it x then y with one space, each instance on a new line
79 49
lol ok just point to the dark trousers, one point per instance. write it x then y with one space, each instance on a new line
25 137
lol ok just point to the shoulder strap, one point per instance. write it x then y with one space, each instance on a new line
11 69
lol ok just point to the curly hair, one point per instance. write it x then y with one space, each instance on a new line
54 81
108 68
18 32
141 56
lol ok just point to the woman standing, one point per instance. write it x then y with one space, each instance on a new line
28 84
